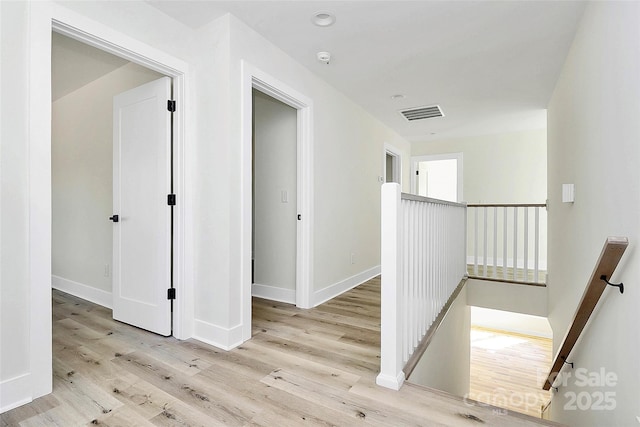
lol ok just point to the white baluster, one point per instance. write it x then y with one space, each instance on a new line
526 243
475 242
504 243
536 250
515 242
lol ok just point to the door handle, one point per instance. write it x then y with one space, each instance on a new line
114 218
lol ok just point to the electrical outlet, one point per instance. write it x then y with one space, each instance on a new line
107 270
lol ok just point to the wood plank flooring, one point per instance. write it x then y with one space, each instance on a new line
509 369
302 367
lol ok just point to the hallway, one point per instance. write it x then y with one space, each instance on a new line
315 367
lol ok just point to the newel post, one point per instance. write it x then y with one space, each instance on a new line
391 374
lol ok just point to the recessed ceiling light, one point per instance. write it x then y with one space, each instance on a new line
323 19
397 96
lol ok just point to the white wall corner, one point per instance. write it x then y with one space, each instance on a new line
217 336
80 290
388 381
273 293
15 392
341 287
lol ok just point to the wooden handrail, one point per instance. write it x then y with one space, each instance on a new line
610 256
416 198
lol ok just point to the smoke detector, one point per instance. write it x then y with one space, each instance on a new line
323 57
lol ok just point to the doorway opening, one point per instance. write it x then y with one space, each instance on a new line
257 82
392 164
154 61
438 176
111 238
44 21
274 207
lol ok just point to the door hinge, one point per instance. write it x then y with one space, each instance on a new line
171 105
171 293
299 217
171 199
417 172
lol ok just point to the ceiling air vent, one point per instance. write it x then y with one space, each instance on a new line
421 113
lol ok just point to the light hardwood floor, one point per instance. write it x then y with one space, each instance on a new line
302 367
508 370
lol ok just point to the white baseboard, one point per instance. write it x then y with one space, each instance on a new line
273 293
15 392
223 338
336 289
83 291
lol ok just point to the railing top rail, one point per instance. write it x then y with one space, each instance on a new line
416 198
508 205
609 258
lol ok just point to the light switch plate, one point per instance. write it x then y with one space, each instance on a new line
568 193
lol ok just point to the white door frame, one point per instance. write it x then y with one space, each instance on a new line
47 17
448 156
120 45
397 158
252 78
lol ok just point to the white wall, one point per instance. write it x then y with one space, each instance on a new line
508 297
526 324
348 161
15 361
274 221
503 168
82 177
25 348
593 143
445 363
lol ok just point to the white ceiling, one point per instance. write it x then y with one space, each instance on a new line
490 65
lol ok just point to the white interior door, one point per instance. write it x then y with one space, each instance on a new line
438 176
141 183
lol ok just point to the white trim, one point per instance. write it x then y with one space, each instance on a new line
252 77
343 286
80 290
15 392
223 338
388 381
273 293
397 159
447 156
39 199
102 37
